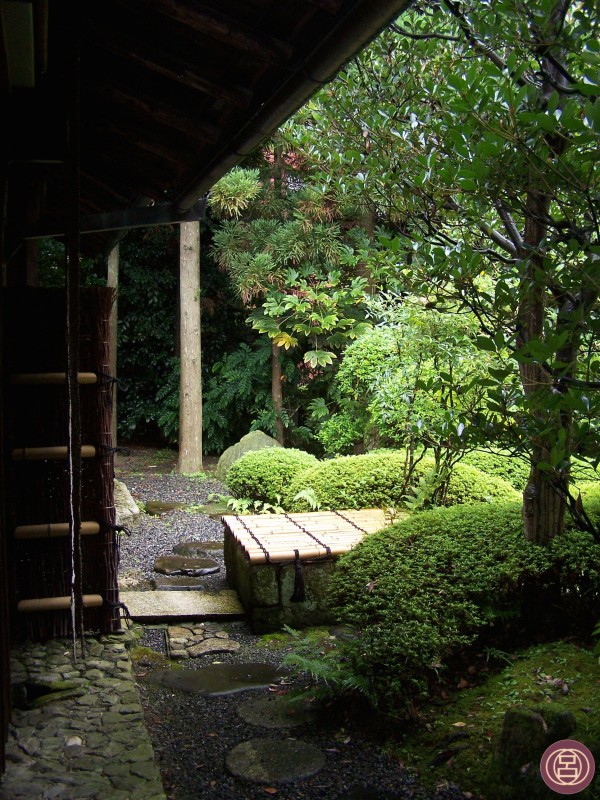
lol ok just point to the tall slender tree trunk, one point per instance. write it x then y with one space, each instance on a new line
543 505
277 391
112 280
190 397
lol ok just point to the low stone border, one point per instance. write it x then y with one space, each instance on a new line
77 729
191 640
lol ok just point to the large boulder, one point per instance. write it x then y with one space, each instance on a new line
255 440
124 503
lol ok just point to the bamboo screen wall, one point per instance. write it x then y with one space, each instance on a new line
36 469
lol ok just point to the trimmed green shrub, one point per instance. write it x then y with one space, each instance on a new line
377 480
266 474
515 470
423 589
510 468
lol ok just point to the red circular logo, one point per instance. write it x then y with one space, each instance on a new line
567 767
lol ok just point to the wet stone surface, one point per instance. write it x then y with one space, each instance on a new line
275 711
198 639
197 549
177 583
219 679
274 760
179 565
77 726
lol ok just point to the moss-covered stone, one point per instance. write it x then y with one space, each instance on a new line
255 440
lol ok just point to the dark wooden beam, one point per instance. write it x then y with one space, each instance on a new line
215 25
148 216
156 59
157 110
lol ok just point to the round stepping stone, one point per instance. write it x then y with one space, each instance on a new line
197 549
275 711
178 565
178 583
218 679
156 507
274 760
209 646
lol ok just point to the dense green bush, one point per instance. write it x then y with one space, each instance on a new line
438 580
515 469
266 474
379 479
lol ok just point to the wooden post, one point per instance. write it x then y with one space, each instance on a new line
190 395
112 280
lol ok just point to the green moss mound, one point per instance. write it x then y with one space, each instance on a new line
266 474
438 580
378 480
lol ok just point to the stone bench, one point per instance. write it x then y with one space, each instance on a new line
279 564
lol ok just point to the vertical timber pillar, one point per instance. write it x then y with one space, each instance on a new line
112 281
190 395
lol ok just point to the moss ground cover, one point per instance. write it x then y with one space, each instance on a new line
454 742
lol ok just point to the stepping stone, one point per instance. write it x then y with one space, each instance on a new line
218 679
274 760
178 565
275 711
156 507
214 645
177 605
178 583
197 549
215 510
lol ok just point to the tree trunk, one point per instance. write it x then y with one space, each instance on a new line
543 505
277 391
112 280
190 397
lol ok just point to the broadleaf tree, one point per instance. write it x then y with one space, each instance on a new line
471 129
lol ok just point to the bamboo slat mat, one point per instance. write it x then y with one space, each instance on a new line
269 538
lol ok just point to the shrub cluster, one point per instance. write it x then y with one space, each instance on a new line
425 588
377 480
267 474
515 470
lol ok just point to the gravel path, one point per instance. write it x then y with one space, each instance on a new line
192 734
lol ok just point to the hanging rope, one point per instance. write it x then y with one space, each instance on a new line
73 314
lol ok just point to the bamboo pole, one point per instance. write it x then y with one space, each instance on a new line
57 603
53 529
44 378
44 453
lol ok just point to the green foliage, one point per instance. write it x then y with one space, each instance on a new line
511 468
235 191
514 468
412 383
381 480
266 474
426 588
237 397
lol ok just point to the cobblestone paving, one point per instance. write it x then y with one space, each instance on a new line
77 730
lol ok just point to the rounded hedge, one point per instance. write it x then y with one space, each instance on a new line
266 474
377 480
515 470
423 589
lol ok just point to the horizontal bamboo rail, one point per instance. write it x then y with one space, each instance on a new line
48 453
44 378
57 603
53 529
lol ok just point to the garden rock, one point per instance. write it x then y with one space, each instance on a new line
255 440
275 711
125 505
274 761
178 565
219 679
210 646
197 549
